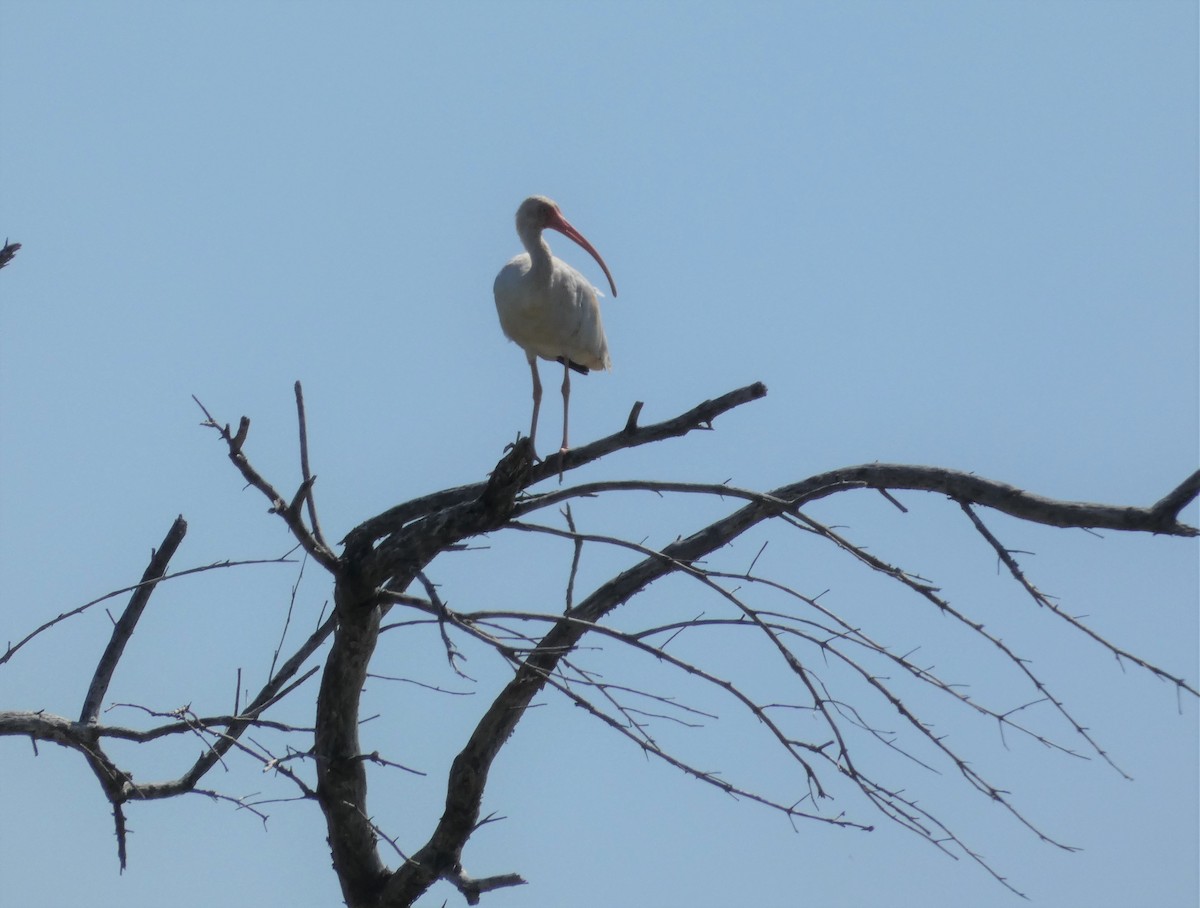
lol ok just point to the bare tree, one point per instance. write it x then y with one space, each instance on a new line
838 672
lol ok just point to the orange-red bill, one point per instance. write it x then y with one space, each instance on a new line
563 226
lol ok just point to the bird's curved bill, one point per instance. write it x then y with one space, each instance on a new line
563 226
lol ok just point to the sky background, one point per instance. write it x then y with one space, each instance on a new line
961 234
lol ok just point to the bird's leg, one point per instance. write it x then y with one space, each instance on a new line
566 392
537 404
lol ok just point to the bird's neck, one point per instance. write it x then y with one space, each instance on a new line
539 254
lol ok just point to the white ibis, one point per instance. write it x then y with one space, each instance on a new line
547 307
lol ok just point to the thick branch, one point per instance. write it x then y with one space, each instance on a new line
129 619
699 417
472 889
1177 499
971 489
341 775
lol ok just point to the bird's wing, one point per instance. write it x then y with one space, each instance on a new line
558 318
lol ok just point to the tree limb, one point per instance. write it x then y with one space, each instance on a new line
699 417
129 619
289 512
967 487
468 774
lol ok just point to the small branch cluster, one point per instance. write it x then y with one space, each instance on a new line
88 735
220 734
8 251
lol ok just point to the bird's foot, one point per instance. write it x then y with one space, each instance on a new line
528 442
532 450
562 462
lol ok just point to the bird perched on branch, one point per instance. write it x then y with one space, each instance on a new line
547 307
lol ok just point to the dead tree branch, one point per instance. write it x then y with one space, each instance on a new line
384 555
699 417
468 775
290 512
8 251
129 619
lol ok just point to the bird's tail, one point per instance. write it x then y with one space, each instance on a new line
582 370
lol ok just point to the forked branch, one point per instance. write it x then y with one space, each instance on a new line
468 775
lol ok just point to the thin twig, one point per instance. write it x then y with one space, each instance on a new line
287 621
216 565
289 512
578 552
1005 555
304 470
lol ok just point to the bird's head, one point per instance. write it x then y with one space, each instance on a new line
538 213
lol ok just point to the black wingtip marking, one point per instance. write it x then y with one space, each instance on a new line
582 370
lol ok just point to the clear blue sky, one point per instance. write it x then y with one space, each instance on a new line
944 233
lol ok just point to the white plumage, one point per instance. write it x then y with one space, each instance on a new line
547 307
